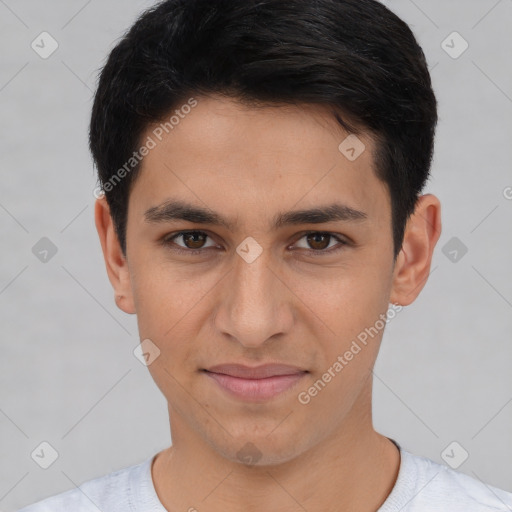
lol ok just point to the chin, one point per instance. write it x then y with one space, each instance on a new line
260 450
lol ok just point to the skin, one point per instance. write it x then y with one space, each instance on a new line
286 306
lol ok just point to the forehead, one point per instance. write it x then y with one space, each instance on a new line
224 128
225 155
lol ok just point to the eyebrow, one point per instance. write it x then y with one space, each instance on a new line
172 210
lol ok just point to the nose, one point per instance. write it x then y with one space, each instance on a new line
255 303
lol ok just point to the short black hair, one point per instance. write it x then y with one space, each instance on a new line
354 56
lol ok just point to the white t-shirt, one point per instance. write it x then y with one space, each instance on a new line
422 486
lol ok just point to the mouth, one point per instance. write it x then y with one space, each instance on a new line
255 383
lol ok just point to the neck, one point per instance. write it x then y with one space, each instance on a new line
353 469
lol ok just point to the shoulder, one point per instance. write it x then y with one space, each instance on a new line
109 492
436 487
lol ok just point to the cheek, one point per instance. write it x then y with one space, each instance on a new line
171 310
352 308
353 312
163 295
346 298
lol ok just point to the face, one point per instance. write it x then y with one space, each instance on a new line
257 279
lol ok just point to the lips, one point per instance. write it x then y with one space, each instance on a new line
260 383
255 372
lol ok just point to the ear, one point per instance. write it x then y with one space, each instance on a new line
412 265
116 263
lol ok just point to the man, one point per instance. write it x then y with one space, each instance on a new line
262 164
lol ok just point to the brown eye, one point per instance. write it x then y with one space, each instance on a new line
194 239
319 243
193 242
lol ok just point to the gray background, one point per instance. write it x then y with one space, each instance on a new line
67 369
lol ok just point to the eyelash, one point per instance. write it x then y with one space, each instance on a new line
168 242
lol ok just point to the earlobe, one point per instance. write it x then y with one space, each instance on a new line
413 263
115 261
